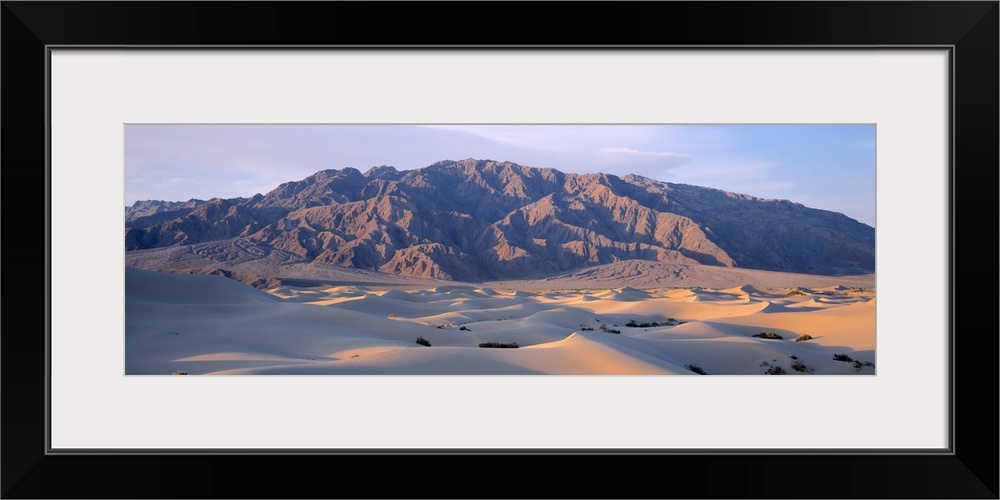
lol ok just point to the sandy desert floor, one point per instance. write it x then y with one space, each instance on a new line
203 324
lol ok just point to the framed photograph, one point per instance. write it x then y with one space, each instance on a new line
912 86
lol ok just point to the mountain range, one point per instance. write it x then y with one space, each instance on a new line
477 220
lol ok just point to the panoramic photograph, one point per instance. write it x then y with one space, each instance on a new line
584 249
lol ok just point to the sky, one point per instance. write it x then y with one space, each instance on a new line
831 167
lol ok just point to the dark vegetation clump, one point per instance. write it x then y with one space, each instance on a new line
777 370
499 345
424 342
604 328
586 329
859 364
798 366
633 324
803 338
768 335
697 369
463 328
842 357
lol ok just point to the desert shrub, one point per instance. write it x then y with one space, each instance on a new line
768 335
671 319
464 329
586 329
604 328
859 364
499 345
803 338
424 342
695 368
392 315
180 372
633 324
355 356
774 370
795 292
798 366
842 357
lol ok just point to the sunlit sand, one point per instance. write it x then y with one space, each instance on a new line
202 324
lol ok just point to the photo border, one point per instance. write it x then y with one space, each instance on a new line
30 28
86 117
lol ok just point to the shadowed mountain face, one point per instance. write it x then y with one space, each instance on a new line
477 220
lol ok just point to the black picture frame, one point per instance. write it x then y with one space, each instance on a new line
969 28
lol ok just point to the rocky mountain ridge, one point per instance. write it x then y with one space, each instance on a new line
477 220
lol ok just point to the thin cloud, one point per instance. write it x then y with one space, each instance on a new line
636 152
655 164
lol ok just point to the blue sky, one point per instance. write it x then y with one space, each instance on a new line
831 167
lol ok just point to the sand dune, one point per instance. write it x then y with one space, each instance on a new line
646 275
205 324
